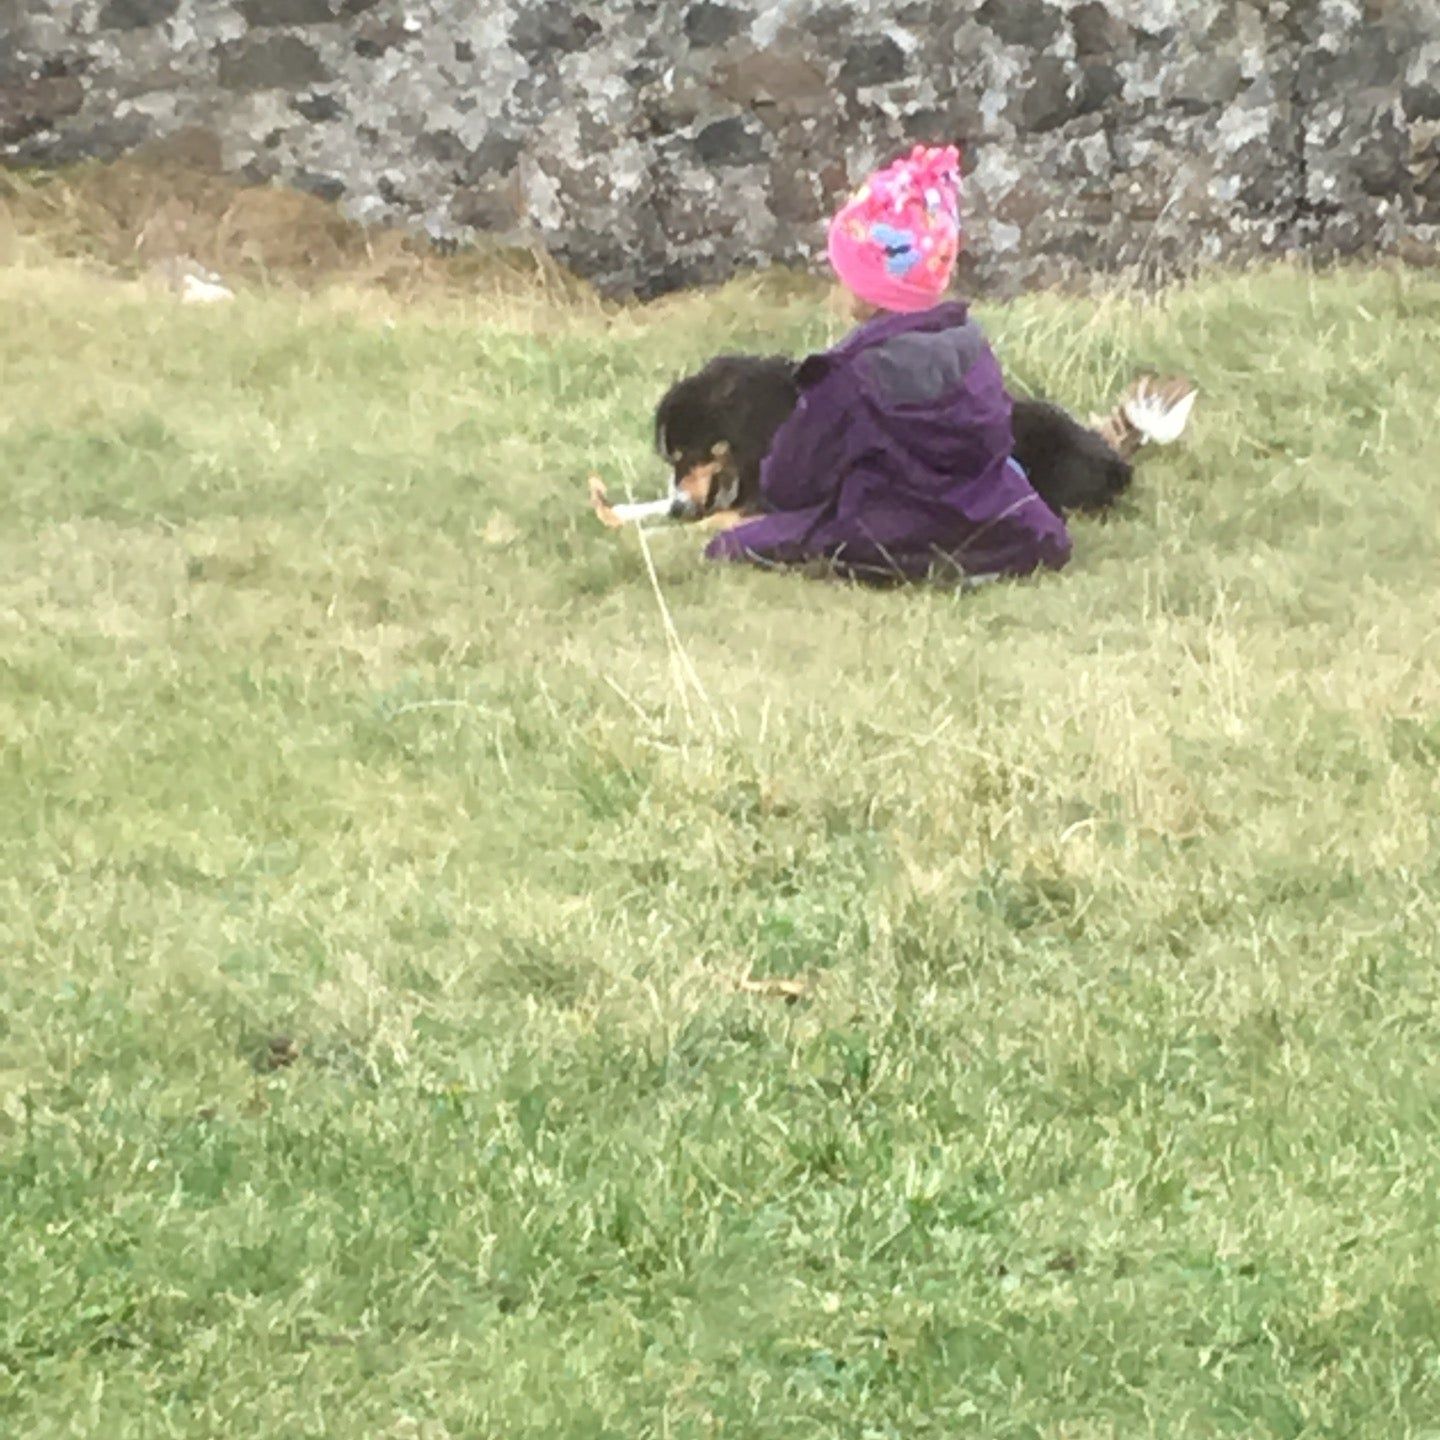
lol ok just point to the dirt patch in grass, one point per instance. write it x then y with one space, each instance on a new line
172 201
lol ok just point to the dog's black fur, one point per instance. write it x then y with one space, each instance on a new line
729 413
1071 466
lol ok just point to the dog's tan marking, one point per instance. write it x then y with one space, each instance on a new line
721 450
724 520
695 484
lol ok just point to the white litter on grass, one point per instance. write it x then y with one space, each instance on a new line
191 283
195 291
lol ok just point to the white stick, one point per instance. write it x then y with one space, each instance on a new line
633 513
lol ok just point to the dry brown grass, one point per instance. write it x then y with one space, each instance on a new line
171 201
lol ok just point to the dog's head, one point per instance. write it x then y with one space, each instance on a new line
714 429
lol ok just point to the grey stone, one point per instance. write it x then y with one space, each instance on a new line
551 28
483 211
378 37
1031 23
491 207
1100 84
538 92
260 13
1422 102
1429 196
1380 164
33 105
1099 32
1207 82
145 84
651 144
136 14
795 195
495 154
1269 190
318 108
711 24
872 62
784 77
392 190
442 145
729 142
72 141
278 62
324 187
1050 96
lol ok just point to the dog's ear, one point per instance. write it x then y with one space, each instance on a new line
783 365
665 418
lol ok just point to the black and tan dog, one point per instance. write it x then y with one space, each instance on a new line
715 427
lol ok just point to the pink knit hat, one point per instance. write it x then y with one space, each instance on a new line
895 242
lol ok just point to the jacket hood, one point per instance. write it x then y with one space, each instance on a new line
927 381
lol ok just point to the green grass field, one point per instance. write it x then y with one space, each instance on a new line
1110 1107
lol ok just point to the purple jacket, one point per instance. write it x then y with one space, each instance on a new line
897 462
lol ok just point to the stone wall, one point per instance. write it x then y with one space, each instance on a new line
654 143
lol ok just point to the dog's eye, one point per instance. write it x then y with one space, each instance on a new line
720 450
676 456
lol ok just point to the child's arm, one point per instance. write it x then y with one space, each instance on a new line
808 453
799 480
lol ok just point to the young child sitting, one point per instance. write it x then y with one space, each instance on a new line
897 460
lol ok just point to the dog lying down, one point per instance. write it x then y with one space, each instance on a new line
715 427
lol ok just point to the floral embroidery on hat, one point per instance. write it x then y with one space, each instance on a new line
901 253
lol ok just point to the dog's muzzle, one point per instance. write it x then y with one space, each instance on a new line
702 489
683 507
